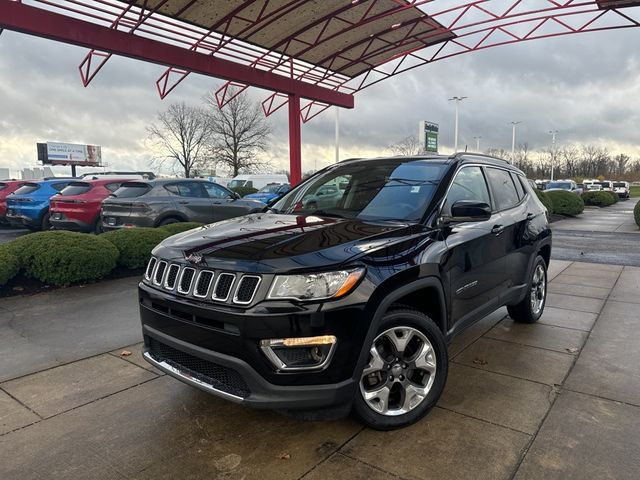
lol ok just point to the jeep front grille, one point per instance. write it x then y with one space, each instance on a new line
224 287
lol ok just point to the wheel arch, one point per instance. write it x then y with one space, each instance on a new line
177 215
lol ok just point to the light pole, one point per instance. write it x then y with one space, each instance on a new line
513 140
553 134
337 134
455 141
477 139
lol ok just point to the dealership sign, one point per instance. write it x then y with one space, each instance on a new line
428 136
55 153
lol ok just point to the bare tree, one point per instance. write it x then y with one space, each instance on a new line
406 146
622 161
239 133
182 133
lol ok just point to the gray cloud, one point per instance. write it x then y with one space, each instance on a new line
586 86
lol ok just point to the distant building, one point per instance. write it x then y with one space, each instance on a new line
5 173
36 173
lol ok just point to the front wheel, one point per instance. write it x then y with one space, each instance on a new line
530 309
405 373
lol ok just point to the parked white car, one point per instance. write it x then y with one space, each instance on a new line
622 189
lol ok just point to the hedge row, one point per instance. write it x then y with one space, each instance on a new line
636 213
62 258
599 198
546 201
566 203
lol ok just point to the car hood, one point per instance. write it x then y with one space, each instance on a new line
268 242
262 197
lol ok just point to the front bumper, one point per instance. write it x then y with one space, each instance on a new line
216 348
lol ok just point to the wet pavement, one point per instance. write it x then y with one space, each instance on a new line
9 233
600 235
559 399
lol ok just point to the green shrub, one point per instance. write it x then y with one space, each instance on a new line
63 258
614 196
636 213
566 203
9 266
597 198
546 201
180 227
135 244
242 191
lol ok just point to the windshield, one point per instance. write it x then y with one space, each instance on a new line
619 184
27 188
75 188
563 185
391 189
603 184
270 188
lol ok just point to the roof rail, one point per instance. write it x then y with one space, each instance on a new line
482 155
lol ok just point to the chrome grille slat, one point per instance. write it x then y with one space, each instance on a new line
150 268
186 280
223 287
203 283
246 289
172 276
158 275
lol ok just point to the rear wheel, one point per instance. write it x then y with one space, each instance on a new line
45 224
530 309
405 373
168 221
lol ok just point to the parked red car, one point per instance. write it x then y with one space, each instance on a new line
77 206
7 187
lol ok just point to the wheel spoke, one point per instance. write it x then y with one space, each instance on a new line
400 342
425 359
412 396
378 399
376 363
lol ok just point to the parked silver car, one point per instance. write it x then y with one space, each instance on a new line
567 185
160 202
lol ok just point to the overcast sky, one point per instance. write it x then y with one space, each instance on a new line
586 86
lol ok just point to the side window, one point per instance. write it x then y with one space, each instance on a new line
216 191
58 186
518 184
112 187
249 184
469 184
503 188
186 189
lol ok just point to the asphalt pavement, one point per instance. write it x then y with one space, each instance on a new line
7 233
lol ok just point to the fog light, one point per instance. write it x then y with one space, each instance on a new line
302 353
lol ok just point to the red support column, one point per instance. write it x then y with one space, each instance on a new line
295 140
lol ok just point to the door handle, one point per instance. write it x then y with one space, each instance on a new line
497 229
530 216
183 202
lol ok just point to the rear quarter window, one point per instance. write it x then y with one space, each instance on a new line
3 186
132 190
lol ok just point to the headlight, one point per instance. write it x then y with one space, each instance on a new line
315 286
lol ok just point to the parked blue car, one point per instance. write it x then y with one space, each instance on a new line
269 192
29 205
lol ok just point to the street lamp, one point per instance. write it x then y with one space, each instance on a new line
553 134
477 139
513 140
455 141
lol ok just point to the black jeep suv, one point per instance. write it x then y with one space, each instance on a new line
348 306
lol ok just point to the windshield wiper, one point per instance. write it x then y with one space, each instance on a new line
324 213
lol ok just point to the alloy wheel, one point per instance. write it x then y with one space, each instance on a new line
400 372
538 289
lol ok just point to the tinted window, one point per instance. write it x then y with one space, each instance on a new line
519 187
132 190
615 184
216 191
59 186
27 188
3 186
269 188
75 188
504 191
186 189
469 184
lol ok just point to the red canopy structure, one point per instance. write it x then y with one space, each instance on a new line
311 54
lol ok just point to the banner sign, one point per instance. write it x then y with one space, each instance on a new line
428 136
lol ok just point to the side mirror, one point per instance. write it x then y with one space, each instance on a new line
236 195
469 211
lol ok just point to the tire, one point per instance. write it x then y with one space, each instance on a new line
168 221
97 228
45 224
528 310
410 328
